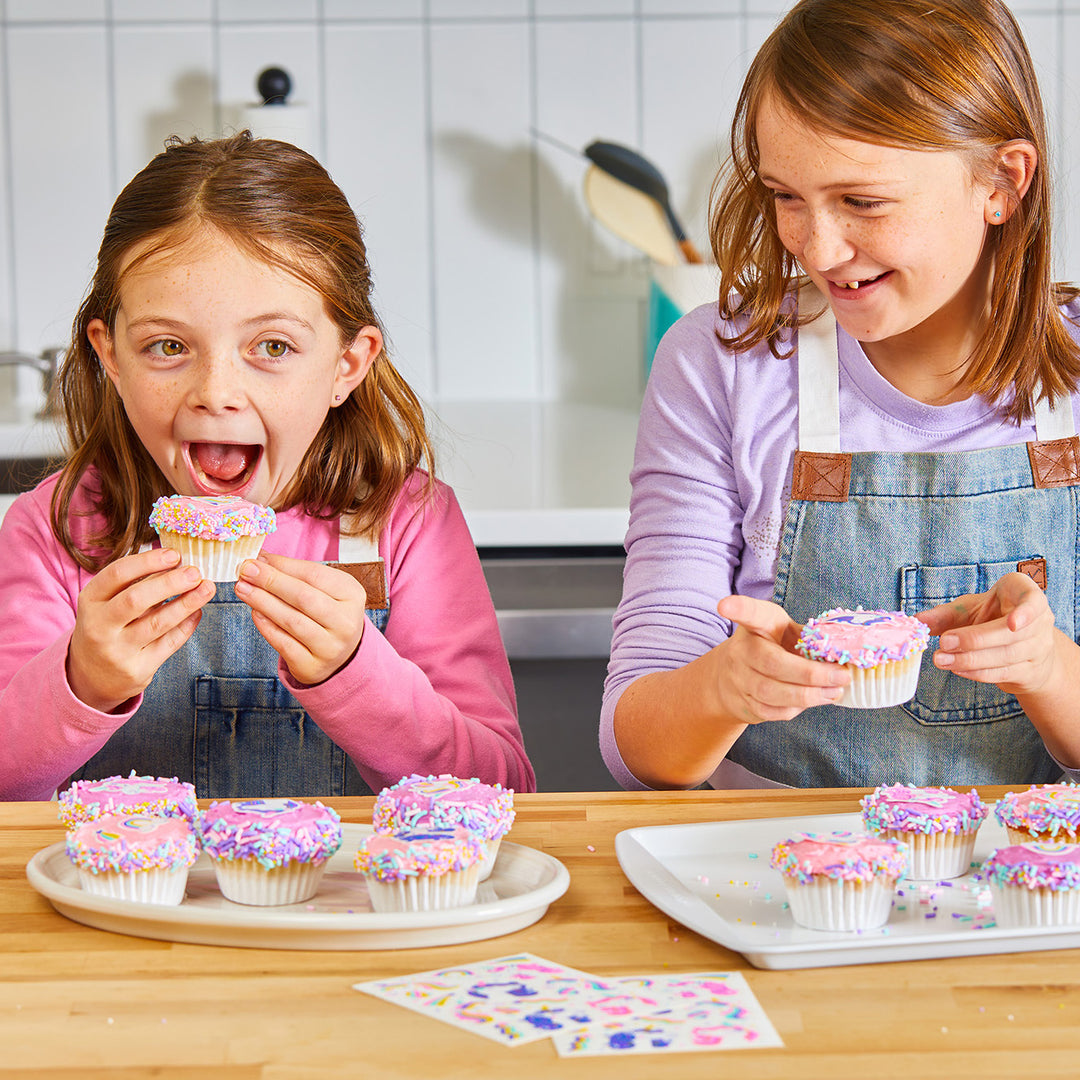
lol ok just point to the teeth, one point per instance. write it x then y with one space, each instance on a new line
849 284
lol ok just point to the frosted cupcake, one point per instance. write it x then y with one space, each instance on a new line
153 796
437 803
840 880
421 871
267 852
1043 812
1035 884
938 824
134 857
881 649
215 534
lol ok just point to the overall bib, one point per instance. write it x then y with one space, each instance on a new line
909 531
216 714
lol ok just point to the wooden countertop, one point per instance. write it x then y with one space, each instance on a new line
120 1007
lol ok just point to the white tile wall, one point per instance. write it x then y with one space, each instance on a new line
492 278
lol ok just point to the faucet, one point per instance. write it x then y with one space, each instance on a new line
47 362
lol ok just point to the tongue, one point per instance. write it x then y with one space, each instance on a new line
223 461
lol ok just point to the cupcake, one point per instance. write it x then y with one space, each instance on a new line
153 796
1036 884
881 649
421 871
215 534
1043 812
134 856
436 803
268 852
840 880
938 824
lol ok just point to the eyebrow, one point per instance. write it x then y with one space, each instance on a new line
767 178
175 324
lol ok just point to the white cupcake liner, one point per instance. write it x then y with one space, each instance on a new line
217 560
158 886
891 683
491 853
247 881
935 856
828 904
425 892
1017 905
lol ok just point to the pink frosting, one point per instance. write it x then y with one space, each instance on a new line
1043 864
922 809
839 855
130 842
214 517
863 638
444 802
88 799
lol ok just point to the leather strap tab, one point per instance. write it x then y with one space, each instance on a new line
1035 569
1055 463
372 576
820 477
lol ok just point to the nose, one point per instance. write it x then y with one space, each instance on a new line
825 244
216 386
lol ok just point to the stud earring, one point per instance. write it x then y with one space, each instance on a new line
997 213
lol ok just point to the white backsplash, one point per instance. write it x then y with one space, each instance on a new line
492 279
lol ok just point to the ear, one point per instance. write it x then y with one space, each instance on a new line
102 343
1016 164
356 361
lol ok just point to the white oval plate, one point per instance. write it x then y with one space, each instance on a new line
524 882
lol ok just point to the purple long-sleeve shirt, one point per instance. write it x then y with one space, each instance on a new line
711 479
432 695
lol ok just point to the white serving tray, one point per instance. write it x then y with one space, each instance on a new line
715 878
524 882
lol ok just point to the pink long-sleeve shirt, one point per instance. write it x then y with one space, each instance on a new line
432 695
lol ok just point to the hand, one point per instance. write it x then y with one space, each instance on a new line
760 677
130 618
311 615
1004 636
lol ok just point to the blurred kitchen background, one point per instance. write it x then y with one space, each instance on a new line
520 319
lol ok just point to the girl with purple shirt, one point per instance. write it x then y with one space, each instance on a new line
881 411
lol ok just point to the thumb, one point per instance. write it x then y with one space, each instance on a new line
761 617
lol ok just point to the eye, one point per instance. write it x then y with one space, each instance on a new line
864 204
275 349
166 347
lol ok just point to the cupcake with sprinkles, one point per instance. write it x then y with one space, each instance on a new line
421 870
153 796
1043 812
939 826
134 857
881 649
840 881
438 803
215 533
268 852
1036 884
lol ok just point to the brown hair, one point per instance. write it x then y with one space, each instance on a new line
278 204
917 74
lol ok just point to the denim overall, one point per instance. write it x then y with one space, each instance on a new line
217 716
909 531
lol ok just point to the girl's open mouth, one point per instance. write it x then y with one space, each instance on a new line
222 468
855 286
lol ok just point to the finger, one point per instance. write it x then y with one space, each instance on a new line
118 576
183 585
962 611
761 617
326 579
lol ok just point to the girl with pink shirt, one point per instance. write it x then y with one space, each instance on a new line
228 346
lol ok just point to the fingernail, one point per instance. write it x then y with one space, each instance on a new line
949 643
833 693
191 575
242 588
944 659
249 569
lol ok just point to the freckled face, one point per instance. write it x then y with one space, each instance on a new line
893 237
227 367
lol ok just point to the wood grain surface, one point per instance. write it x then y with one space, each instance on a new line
113 1006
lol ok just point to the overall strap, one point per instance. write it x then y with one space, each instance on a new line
358 556
1055 456
820 471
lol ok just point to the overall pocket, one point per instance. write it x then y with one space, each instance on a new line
943 697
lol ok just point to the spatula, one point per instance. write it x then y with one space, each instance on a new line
631 214
638 172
